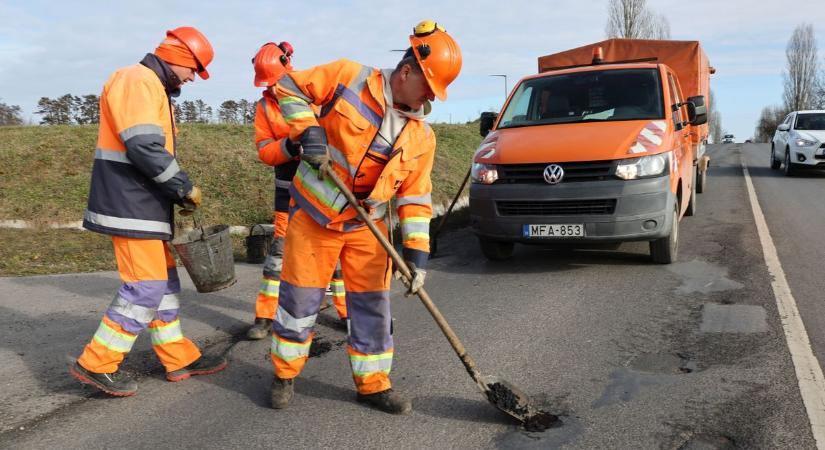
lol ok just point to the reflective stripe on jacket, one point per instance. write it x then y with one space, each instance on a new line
271 133
135 176
352 104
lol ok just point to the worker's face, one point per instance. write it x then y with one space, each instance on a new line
184 74
413 89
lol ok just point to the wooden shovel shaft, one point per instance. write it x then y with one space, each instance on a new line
455 200
468 362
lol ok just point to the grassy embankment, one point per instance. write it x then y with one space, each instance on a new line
44 178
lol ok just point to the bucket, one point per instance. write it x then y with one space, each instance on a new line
257 245
206 253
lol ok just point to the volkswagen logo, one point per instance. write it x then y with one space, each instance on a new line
553 174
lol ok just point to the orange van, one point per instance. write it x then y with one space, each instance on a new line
604 145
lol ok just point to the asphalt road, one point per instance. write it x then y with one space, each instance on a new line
630 354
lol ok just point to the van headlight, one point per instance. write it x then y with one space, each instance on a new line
484 173
643 167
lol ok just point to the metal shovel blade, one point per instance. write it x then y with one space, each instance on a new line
507 397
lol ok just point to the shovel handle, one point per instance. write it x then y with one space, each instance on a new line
455 200
468 362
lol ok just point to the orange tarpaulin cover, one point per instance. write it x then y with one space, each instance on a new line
686 58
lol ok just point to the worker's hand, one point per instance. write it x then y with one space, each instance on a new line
314 147
418 278
192 201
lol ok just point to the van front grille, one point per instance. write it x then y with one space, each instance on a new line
573 171
556 207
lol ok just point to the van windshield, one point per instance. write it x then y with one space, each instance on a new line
602 96
814 121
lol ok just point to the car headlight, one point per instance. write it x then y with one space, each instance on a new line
484 173
645 166
800 142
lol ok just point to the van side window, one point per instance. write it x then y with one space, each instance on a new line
678 121
518 112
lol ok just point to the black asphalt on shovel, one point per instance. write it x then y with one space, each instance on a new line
500 393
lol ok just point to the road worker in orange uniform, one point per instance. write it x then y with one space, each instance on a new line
371 132
136 180
271 63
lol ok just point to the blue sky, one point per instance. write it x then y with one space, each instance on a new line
54 48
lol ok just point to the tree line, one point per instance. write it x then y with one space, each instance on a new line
80 110
803 82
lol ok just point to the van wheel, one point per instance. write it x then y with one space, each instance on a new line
496 250
789 170
691 207
775 163
665 250
702 181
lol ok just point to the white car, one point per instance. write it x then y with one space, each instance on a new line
727 139
799 141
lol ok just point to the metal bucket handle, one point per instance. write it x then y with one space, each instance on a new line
197 224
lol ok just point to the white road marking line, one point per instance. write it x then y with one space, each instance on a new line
808 370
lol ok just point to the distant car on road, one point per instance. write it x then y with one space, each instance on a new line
727 139
799 141
748 141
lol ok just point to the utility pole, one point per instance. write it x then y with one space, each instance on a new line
505 84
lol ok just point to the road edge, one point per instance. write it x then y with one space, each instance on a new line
808 371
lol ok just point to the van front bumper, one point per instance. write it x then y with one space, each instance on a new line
611 211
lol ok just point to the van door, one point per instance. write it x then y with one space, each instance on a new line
682 151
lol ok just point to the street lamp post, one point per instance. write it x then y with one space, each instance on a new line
505 84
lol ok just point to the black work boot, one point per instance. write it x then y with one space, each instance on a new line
115 383
387 401
281 392
204 365
260 329
341 325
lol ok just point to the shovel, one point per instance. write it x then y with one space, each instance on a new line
500 393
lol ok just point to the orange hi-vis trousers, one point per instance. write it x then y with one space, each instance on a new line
310 257
266 302
148 298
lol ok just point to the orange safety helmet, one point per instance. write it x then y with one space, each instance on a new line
271 63
438 55
197 43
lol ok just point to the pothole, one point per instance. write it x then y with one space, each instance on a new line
717 318
672 364
321 346
703 277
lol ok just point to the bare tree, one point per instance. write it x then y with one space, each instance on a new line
769 119
800 76
632 19
10 115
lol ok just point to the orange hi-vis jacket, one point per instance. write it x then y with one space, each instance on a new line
271 132
351 97
135 176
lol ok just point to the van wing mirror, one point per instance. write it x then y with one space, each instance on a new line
783 127
697 110
486 122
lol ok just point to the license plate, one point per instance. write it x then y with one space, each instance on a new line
553 230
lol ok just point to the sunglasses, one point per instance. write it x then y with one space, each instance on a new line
425 28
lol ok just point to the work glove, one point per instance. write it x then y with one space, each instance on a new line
191 202
314 147
417 281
